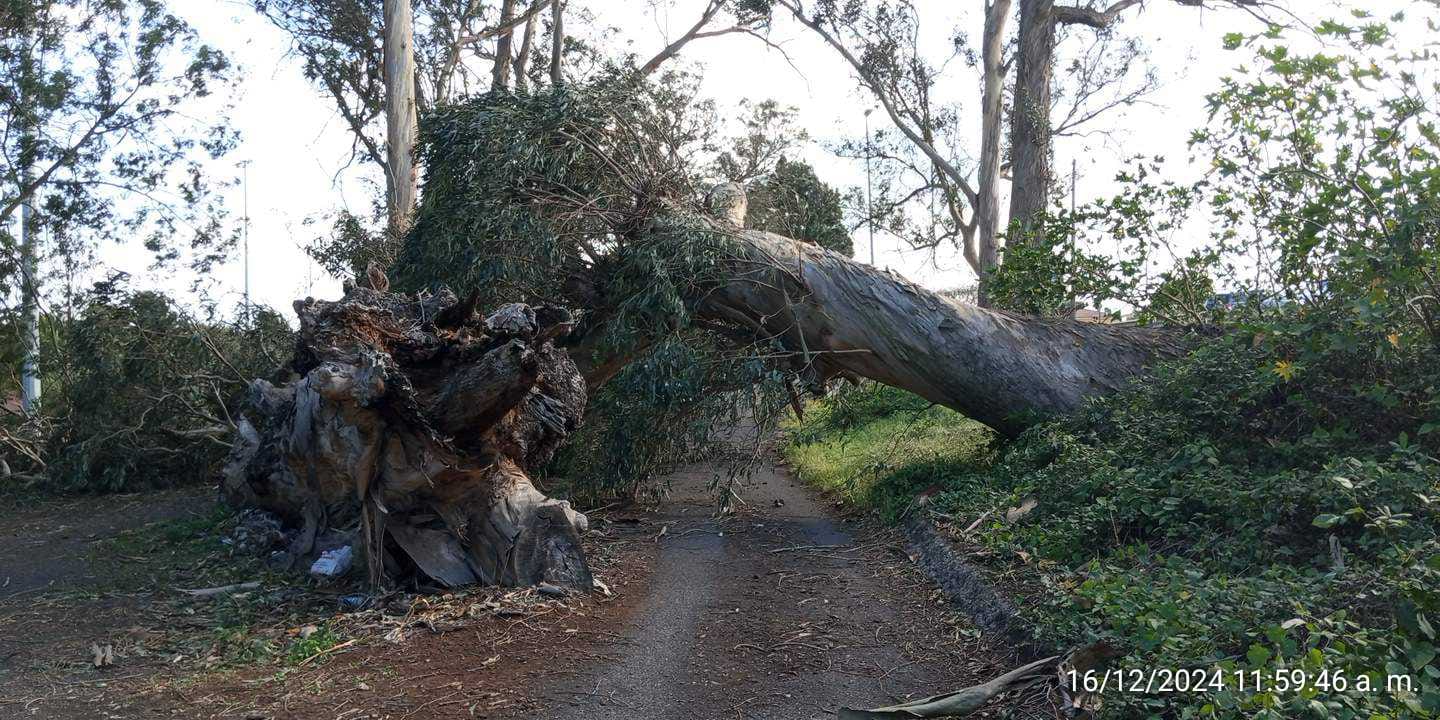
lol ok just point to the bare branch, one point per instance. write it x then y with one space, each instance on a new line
1100 19
505 26
711 10
942 163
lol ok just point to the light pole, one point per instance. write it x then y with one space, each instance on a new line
869 186
245 230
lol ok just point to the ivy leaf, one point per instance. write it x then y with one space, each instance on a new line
1327 520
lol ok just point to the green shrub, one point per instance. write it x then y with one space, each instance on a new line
138 392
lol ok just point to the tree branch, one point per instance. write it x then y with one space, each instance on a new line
941 163
505 26
673 49
1100 19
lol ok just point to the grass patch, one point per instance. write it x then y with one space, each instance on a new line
875 447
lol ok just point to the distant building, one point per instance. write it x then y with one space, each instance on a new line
1092 315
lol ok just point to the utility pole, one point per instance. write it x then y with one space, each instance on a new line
245 230
869 186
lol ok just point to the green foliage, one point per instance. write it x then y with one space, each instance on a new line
137 392
793 202
785 196
875 446
1058 277
310 647
1189 521
586 196
768 132
1192 519
350 246
534 196
664 408
98 102
1321 193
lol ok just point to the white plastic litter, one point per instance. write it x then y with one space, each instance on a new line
333 563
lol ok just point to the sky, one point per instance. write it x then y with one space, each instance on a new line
296 149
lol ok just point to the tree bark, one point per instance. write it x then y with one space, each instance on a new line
402 179
409 431
500 77
522 58
839 317
409 426
987 209
557 42
1030 149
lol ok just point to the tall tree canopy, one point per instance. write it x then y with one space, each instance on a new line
99 102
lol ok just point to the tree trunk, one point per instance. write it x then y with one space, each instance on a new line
522 58
408 431
402 179
841 318
409 425
557 41
987 209
500 76
27 122
1030 118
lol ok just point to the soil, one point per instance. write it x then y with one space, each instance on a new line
780 608
46 546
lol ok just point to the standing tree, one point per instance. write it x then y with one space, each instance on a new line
792 201
931 191
382 64
557 42
400 116
500 75
1032 130
97 103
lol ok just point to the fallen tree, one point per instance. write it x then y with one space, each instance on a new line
839 317
417 423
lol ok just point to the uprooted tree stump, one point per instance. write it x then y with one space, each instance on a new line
409 430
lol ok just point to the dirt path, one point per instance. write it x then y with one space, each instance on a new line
47 547
780 611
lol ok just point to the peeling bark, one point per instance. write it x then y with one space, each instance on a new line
411 426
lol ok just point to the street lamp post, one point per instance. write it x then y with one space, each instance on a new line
245 230
869 186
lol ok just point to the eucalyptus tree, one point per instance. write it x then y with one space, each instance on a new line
101 142
383 64
934 188
1033 125
421 418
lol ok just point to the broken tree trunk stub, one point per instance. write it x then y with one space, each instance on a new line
412 425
